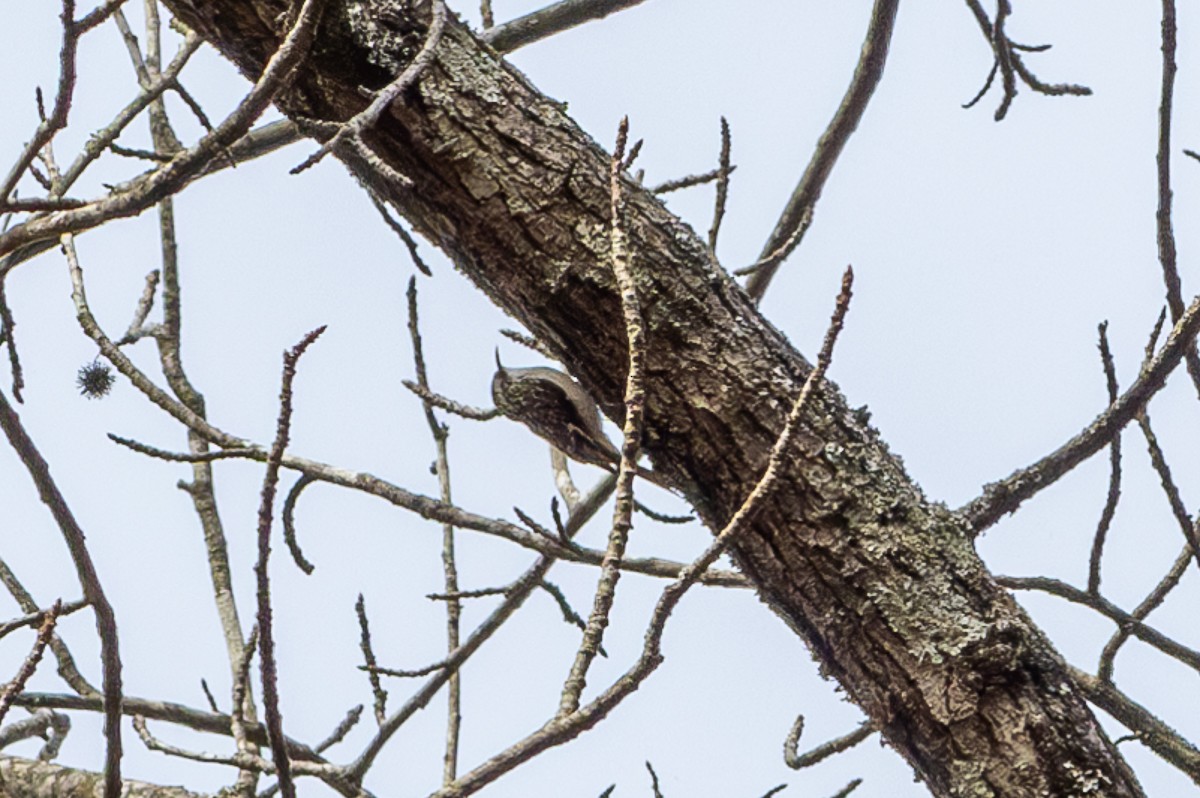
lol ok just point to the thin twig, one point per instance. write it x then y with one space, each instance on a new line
999 498
351 132
797 761
7 336
867 74
1167 256
208 696
67 668
552 19
93 592
403 234
142 311
635 402
849 788
441 433
36 618
1151 732
266 645
568 612
184 457
288 516
10 690
1169 486
341 730
1128 623
241 689
1114 479
139 194
688 181
723 170
653 780
469 594
1153 600
449 405
774 259
1008 63
364 643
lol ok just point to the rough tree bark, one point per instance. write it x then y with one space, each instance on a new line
883 585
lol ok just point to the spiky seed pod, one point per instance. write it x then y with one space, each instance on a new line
95 380
556 409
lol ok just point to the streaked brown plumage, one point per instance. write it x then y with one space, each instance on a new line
556 409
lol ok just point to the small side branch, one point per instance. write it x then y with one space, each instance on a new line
89 579
1147 728
798 212
999 498
635 402
797 761
17 683
1114 479
266 648
351 133
550 20
1008 64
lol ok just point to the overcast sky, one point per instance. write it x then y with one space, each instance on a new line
985 255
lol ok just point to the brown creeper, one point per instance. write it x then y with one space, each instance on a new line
556 409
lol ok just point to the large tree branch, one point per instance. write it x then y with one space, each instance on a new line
28 778
883 585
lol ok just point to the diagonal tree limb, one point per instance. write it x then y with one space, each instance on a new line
935 662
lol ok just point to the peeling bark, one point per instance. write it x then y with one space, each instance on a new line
883 585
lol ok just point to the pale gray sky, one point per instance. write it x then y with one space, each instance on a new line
985 255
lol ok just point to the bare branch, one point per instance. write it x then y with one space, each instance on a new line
1009 64
364 643
723 170
14 687
1003 497
106 623
440 434
449 405
351 133
288 516
635 401
798 761
689 180
550 20
36 618
1167 256
141 193
1114 480
1149 730
789 229
1129 623
66 663
266 640
1154 599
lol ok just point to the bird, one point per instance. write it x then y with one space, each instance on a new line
556 409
